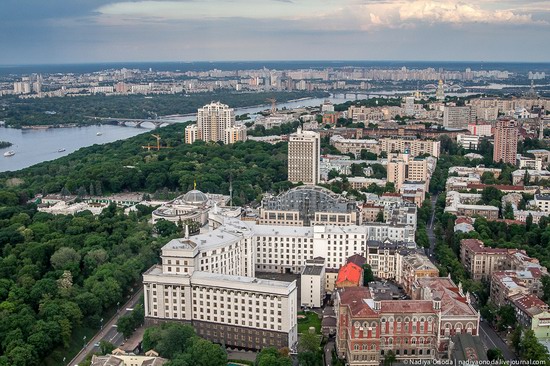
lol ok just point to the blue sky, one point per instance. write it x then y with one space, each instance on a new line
66 31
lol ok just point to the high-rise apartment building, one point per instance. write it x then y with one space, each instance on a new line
458 117
215 122
506 141
402 168
304 150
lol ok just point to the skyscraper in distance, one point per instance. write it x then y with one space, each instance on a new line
304 153
506 141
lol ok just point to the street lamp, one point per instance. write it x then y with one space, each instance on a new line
117 306
101 323
84 340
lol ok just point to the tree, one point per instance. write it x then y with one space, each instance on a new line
66 258
389 358
206 353
106 347
494 354
506 317
508 211
368 276
532 349
380 216
165 228
270 356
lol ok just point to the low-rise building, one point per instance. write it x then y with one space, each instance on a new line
354 146
412 146
532 313
461 204
518 176
470 142
349 275
414 266
542 201
313 283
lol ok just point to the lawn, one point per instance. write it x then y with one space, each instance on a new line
311 320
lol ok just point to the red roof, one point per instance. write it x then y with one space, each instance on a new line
350 272
477 246
502 187
463 219
530 304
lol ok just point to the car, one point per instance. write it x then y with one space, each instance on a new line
96 344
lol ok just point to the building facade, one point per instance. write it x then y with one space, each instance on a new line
506 141
304 151
414 147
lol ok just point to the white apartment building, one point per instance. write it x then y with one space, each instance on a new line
542 201
354 146
414 147
191 134
470 142
304 151
480 129
215 122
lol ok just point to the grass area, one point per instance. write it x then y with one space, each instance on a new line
311 320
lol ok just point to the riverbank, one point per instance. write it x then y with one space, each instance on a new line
5 144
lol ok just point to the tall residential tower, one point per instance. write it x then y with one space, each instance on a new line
506 141
215 122
304 150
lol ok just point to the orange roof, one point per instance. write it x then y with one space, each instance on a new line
350 272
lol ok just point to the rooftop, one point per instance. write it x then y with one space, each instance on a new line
350 272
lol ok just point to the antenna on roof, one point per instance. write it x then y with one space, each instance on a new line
231 190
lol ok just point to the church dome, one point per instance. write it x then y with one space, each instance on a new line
195 197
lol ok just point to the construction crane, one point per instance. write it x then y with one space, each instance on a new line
158 147
272 101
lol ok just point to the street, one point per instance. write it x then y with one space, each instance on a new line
328 352
487 334
108 333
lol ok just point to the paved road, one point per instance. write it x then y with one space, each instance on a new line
328 352
491 339
108 333
430 230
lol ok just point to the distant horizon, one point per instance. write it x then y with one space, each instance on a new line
274 61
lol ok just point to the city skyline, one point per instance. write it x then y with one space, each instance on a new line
120 31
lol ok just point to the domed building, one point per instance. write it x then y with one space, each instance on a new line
193 205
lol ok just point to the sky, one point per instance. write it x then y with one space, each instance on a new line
81 31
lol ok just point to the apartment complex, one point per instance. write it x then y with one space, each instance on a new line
458 117
413 147
354 146
482 262
464 204
304 151
506 141
402 168
215 122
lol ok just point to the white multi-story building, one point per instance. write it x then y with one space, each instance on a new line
215 122
208 280
313 283
304 151
468 141
412 146
191 134
458 117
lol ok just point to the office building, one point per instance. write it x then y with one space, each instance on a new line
308 205
304 151
506 142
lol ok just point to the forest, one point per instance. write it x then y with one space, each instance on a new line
80 110
252 167
60 275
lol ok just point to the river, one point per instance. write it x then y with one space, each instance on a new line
35 146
